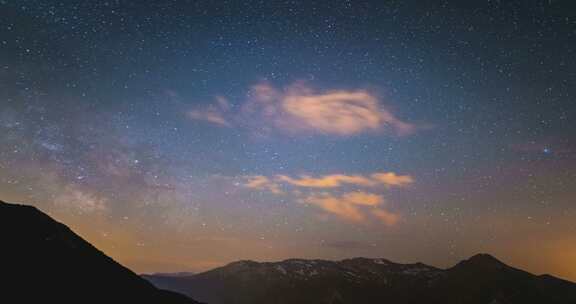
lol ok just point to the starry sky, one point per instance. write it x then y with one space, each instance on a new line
183 135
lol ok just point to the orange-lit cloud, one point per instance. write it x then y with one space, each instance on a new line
327 181
387 217
363 198
351 206
336 205
336 180
356 206
392 179
261 182
298 109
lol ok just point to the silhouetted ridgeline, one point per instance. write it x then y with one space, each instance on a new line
482 279
43 261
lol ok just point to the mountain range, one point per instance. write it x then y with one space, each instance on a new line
481 279
43 261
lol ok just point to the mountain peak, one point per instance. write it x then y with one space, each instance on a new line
481 261
484 258
244 262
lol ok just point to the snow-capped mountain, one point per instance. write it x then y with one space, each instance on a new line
480 279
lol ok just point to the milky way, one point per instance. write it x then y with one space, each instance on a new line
182 135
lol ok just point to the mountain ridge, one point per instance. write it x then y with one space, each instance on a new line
43 260
482 278
484 259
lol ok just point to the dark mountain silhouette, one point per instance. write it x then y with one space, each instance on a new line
482 279
43 261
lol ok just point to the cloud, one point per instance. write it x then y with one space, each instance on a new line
327 181
298 109
260 182
208 115
363 198
355 206
214 113
339 206
385 216
390 179
350 206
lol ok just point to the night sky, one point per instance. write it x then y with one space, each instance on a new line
183 135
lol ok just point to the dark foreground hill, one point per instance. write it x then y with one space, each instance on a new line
43 261
482 279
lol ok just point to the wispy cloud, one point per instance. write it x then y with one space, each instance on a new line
392 179
260 182
387 217
215 114
337 180
298 109
338 205
388 179
351 205
355 206
327 181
